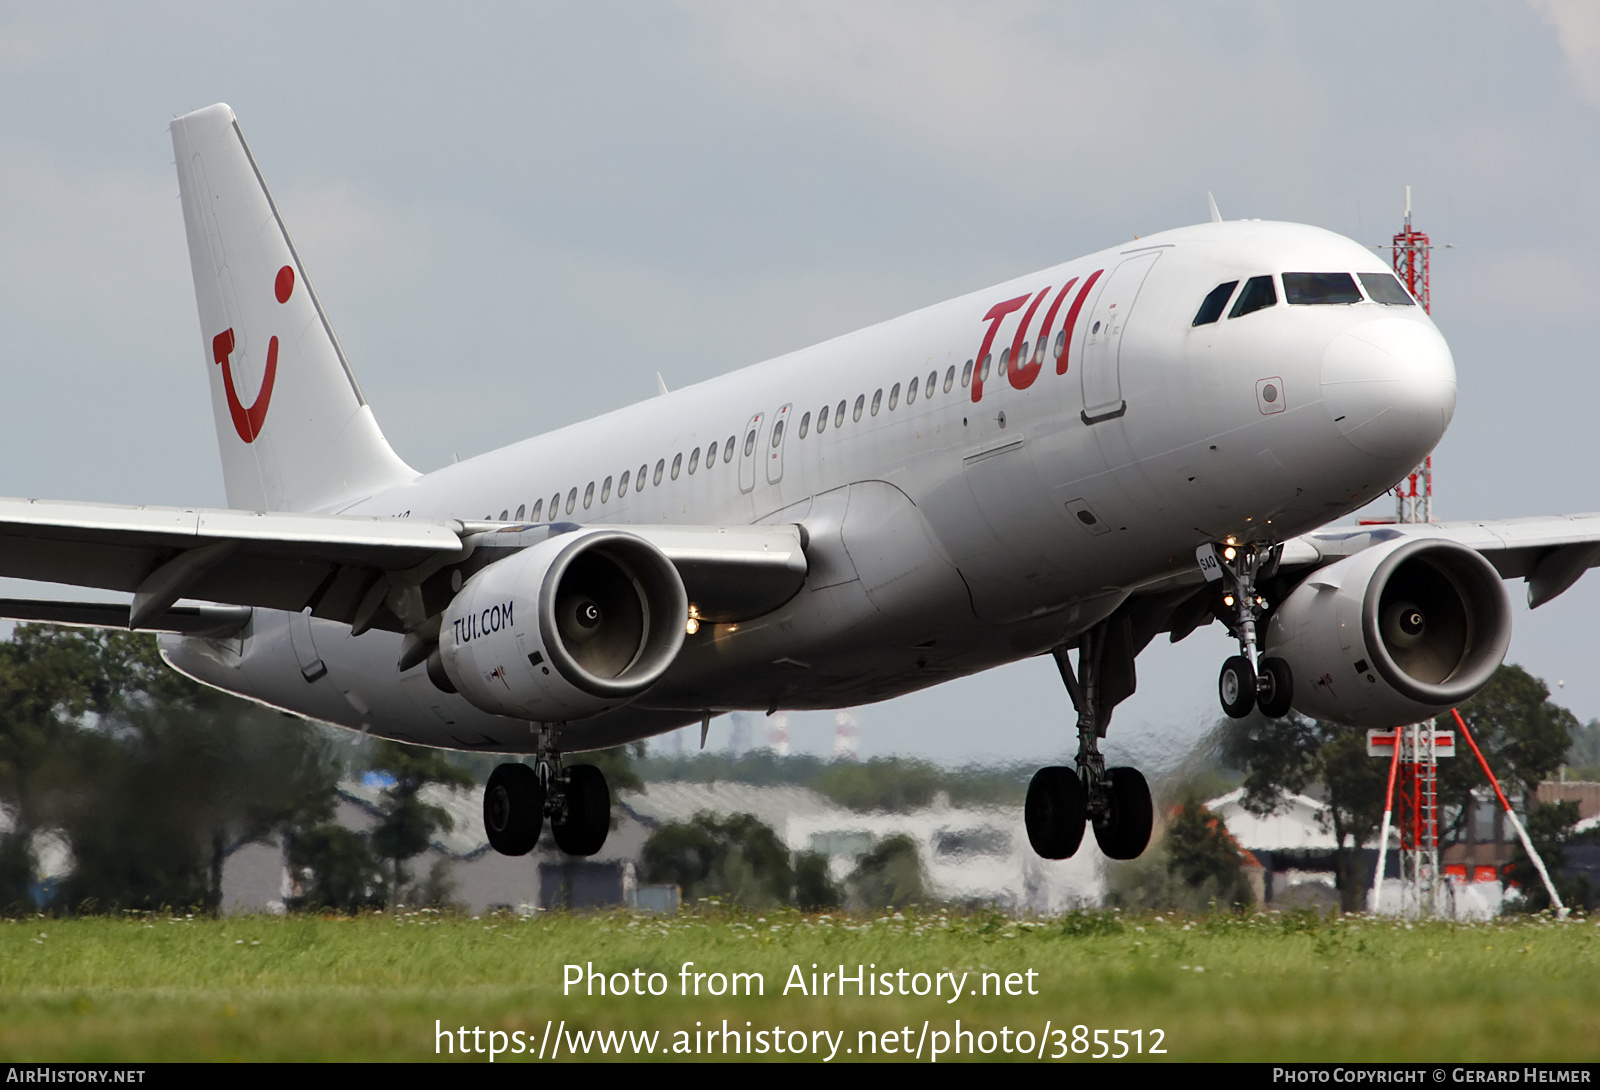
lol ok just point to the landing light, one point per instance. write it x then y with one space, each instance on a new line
1229 553
693 624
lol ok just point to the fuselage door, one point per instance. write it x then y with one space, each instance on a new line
774 445
750 452
1102 343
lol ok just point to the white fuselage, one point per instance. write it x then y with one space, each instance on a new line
949 533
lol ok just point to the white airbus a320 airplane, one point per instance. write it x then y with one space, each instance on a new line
1136 442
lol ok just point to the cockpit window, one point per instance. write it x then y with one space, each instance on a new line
1215 303
1301 289
1384 288
1258 293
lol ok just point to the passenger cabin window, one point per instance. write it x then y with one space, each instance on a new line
1319 289
822 420
1005 362
805 425
894 396
694 460
638 481
1061 343
522 510
911 392
711 455
750 443
555 506
966 376
538 510
838 415
1384 288
572 500
861 403
677 465
727 451
877 401
1213 306
605 491
1258 294
505 515
622 484
661 467
588 496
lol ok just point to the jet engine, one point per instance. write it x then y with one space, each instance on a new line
1395 634
564 629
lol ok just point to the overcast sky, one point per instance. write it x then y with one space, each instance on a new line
517 214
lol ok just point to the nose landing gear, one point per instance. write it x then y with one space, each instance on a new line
1115 801
1248 681
519 797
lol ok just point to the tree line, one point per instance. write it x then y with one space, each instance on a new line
149 783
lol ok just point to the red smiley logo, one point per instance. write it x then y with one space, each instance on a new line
247 419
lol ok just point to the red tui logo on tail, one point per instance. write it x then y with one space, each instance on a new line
247 419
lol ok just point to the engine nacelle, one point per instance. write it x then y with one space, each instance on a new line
1395 634
568 628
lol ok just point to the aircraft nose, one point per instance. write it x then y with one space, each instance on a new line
1390 387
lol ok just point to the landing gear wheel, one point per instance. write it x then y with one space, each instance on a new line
1054 812
1274 688
588 818
1124 831
1237 687
513 809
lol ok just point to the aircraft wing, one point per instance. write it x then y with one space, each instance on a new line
340 567
1550 552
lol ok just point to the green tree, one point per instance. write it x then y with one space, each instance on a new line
735 858
153 780
52 682
1279 756
889 876
1584 755
1549 827
406 824
814 890
1523 735
335 869
1201 853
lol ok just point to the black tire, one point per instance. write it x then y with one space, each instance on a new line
1275 689
513 809
1236 687
588 819
1124 832
1054 812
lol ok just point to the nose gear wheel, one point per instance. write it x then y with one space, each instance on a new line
1247 681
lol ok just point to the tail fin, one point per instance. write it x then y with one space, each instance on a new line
295 432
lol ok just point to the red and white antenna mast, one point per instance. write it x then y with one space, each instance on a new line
1414 494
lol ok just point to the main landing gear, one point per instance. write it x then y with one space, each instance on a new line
1247 681
1115 801
519 796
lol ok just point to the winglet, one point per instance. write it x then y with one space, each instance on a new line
1216 217
661 385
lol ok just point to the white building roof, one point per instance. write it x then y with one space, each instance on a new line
1298 825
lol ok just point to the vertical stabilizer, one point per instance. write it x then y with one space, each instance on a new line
294 430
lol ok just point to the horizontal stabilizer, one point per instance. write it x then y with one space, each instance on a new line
199 619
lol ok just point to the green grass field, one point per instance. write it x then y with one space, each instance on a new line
1260 988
